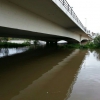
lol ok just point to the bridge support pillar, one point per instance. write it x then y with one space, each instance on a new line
80 39
73 42
51 44
47 43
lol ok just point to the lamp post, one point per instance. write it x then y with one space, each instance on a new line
86 22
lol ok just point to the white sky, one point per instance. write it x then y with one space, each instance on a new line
88 11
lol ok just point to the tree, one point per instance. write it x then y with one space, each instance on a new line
97 40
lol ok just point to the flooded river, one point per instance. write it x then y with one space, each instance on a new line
48 74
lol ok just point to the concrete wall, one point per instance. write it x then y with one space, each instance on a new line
14 16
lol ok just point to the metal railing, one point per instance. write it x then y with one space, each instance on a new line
70 10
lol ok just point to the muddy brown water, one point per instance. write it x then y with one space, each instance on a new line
51 75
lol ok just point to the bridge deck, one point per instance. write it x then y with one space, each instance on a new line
49 10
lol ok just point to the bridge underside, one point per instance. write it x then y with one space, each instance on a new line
51 24
16 33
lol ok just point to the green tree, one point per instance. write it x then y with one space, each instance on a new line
97 41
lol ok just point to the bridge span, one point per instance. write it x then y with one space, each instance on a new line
48 20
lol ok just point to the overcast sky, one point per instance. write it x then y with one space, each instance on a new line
88 11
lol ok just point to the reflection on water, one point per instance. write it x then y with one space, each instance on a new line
51 75
11 51
87 85
47 77
97 55
50 84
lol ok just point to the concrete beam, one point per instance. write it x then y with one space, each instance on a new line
15 20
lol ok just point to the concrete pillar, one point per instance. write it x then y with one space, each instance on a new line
51 43
54 44
80 39
73 42
47 43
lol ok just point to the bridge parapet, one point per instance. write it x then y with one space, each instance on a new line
71 13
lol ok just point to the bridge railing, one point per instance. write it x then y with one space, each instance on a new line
70 10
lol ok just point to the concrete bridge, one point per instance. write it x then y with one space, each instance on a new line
48 20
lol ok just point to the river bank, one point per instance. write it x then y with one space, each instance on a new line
89 45
13 45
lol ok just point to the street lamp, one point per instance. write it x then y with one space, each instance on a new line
86 22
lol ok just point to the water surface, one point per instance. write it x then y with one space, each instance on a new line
87 83
51 75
